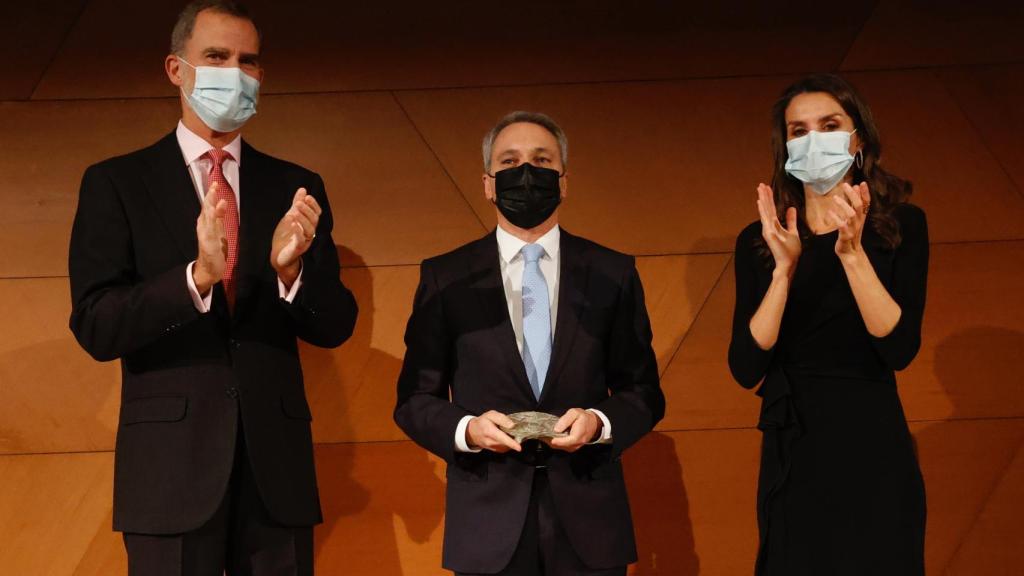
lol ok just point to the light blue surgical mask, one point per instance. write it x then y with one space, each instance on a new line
820 159
223 98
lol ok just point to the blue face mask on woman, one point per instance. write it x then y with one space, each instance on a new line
820 159
223 98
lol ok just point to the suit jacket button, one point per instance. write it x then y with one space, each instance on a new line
232 392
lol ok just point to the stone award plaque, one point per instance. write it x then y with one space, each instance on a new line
533 426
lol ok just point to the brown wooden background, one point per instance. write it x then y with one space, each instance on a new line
666 105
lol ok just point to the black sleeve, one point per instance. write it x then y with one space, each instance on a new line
113 312
424 410
908 287
636 403
748 362
324 311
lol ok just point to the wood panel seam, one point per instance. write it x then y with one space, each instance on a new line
437 158
663 80
60 48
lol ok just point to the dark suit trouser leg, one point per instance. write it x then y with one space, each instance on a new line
544 548
241 539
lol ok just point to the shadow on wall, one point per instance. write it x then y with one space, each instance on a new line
658 497
379 499
979 370
661 510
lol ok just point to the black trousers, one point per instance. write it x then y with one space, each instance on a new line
544 548
241 539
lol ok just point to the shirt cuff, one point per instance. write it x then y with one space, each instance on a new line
606 429
286 294
460 436
202 303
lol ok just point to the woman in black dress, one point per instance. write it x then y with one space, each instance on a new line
828 307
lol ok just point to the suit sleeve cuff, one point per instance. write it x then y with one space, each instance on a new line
606 429
202 303
460 436
288 295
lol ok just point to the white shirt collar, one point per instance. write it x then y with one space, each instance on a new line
509 246
193 146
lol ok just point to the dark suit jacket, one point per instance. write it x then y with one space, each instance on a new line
462 359
185 375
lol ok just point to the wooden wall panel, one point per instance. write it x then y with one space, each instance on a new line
320 45
46 148
662 168
972 338
699 390
700 147
930 141
675 289
30 35
988 96
382 180
907 33
693 500
960 478
391 199
95 60
960 372
54 510
993 544
351 389
53 396
692 495
664 154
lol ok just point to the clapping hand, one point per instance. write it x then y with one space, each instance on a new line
213 245
784 242
849 215
294 235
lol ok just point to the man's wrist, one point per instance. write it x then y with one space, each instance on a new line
288 274
202 280
604 429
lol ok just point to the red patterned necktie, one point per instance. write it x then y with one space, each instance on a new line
226 193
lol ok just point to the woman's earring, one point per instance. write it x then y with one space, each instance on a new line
859 158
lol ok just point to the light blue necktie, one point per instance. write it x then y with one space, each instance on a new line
536 319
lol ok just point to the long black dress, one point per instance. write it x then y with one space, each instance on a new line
840 491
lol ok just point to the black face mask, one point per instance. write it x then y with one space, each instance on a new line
527 195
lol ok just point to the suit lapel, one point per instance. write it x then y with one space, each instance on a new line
488 285
572 284
172 191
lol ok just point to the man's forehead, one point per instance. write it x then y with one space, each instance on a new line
516 147
523 135
219 31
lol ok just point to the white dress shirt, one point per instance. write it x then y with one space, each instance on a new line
193 149
512 265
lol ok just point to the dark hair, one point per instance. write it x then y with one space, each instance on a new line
887 190
187 20
542 120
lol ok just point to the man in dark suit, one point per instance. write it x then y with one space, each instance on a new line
198 262
530 318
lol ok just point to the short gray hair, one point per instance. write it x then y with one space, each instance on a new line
187 20
542 120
